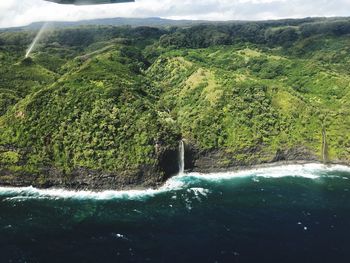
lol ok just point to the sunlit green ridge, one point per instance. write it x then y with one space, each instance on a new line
117 100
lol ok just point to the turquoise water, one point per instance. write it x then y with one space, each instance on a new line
298 213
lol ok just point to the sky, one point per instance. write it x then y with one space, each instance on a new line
23 12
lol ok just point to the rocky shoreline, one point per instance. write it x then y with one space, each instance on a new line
93 181
272 165
83 179
151 176
167 165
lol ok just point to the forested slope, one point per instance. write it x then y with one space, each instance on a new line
105 107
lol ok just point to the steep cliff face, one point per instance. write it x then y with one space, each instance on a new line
144 176
95 126
221 160
109 112
232 114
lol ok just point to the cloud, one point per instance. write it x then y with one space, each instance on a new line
22 12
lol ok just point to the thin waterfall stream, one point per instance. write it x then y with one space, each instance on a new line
181 157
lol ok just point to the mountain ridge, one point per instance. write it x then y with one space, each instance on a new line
156 21
104 107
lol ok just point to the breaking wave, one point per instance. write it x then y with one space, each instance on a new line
180 182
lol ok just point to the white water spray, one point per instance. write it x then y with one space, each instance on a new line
182 157
36 39
180 182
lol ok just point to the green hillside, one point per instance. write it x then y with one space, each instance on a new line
117 100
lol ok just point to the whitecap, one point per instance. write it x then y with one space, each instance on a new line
25 193
180 182
31 192
310 171
198 191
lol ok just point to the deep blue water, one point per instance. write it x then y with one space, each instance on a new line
283 214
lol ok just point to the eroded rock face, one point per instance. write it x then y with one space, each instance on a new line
220 160
168 162
84 179
148 176
295 154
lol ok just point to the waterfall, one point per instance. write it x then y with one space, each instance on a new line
324 146
181 157
36 39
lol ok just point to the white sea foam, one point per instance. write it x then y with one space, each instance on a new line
200 191
31 192
23 193
311 171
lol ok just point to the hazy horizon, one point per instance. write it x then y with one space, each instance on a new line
169 19
15 13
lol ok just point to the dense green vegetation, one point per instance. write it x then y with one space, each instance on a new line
115 98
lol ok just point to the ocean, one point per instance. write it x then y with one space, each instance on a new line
292 213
